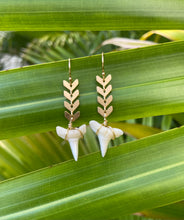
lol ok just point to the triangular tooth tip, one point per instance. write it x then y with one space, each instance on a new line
75 154
103 151
74 149
75 158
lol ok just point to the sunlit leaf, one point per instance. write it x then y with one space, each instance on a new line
136 130
76 15
127 43
146 82
140 175
174 35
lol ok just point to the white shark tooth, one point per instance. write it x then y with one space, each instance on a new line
105 134
73 136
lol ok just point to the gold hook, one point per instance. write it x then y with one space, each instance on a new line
103 73
69 66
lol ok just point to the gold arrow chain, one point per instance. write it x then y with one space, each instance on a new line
105 91
71 95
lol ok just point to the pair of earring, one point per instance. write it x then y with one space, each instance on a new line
104 132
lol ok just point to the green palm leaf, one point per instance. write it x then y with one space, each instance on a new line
31 98
140 175
145 176
169 34
77 15
28 153
61 45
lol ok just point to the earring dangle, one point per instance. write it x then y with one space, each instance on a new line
104 132
72 135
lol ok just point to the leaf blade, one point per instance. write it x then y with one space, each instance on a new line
136 174
77 15
31 97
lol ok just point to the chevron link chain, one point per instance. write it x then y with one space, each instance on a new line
71 94
104 91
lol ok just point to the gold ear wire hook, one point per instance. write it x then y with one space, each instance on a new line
103 72
69 66
70 81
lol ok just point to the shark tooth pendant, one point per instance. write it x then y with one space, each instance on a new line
104 132
72 135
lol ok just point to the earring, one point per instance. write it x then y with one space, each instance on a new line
72 135
104 132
